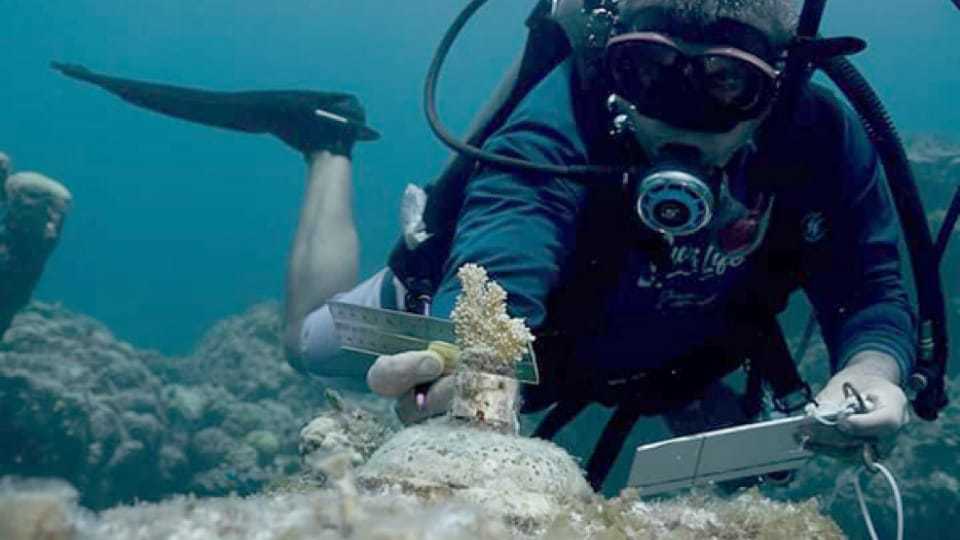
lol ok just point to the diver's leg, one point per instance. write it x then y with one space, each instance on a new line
323 259
320 352
35 210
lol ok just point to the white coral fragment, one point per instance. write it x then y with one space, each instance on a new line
481 321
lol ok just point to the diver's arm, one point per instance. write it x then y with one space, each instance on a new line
521 229
857 287
864 310
323 259
521 226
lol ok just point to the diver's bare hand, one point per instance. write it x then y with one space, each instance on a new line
886 403
400 375
871 375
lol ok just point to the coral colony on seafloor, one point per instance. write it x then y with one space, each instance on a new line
492 343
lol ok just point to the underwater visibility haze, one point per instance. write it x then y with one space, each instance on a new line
177 226
152 363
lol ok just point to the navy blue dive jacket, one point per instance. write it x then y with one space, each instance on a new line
834 228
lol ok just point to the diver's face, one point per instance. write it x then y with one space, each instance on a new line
709 150
729 85
708 97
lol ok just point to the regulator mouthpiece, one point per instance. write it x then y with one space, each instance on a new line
674 202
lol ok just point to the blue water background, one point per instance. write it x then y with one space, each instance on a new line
176 226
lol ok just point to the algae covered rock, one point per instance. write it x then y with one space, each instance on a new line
523 478
345 429
80 405
37 510
474 453
34 208
264 442
48 511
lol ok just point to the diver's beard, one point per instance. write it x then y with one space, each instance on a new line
714 150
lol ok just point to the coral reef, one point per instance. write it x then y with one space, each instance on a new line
35 208
48 512
80 405
345 430
120 423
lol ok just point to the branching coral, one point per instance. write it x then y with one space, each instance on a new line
491 343
481 321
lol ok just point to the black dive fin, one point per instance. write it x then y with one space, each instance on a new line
302 119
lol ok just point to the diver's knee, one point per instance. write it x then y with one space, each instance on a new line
293 348
312 344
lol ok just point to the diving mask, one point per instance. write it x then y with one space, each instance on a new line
690 86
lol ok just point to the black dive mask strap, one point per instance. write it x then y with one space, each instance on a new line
724 31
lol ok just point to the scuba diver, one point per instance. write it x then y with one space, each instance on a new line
34 209
746 183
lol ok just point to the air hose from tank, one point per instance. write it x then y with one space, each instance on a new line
579 172
949 223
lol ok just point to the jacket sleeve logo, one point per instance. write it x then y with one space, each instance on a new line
814 227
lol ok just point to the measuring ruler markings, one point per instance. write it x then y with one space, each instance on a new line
377 332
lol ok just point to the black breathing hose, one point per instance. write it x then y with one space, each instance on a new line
949 224
575 172
928 378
